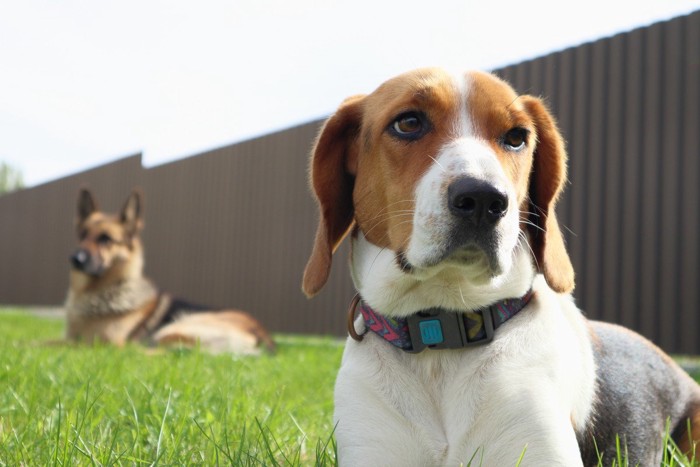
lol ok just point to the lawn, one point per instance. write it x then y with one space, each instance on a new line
66 405
62 405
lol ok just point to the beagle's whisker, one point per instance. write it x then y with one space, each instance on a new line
387 217
529 213
396 225
384 215
388 207
438 164
385 236
375 258
513 102
461 296
526 243
539 210
532 224
566 227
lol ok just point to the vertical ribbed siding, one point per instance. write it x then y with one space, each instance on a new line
613 168
233 227
631 182
688 211
669 157
628 107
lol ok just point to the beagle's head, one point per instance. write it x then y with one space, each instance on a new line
443 171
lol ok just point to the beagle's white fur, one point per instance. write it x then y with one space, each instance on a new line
448 185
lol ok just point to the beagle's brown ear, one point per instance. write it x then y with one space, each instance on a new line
546 183
131 215
333 166
86 205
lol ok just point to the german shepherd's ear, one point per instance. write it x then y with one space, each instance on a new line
546 183
131 215
333 168
86 205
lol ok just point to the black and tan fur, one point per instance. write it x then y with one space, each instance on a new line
110 300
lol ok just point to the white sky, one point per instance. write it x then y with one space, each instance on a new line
83 82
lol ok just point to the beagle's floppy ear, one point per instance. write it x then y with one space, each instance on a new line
333 166
131 215
86 205
546 183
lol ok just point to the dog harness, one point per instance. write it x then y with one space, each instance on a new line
438 328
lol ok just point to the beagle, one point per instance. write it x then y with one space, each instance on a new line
468 345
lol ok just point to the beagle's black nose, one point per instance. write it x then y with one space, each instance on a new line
476 201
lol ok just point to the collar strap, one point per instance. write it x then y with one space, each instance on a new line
439 328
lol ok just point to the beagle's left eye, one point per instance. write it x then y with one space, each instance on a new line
515 139
409 125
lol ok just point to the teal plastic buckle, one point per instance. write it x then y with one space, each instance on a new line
436 328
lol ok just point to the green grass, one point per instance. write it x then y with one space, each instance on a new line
73 405
62 405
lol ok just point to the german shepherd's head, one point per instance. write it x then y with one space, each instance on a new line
109 246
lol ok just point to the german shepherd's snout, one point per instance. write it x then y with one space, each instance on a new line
80 259
86 262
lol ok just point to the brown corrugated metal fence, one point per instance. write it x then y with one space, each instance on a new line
233 227
629 107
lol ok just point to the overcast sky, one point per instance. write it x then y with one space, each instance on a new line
85 82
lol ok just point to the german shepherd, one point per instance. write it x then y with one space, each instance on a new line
110 300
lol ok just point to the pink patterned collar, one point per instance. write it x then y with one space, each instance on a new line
439 328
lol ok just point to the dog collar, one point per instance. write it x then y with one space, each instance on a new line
439 328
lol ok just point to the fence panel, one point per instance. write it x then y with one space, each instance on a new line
233 227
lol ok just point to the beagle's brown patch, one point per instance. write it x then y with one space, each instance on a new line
494 110
388 168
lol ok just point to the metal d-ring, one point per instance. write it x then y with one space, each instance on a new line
352 312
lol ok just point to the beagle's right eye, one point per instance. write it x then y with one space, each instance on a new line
515 139
409 125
